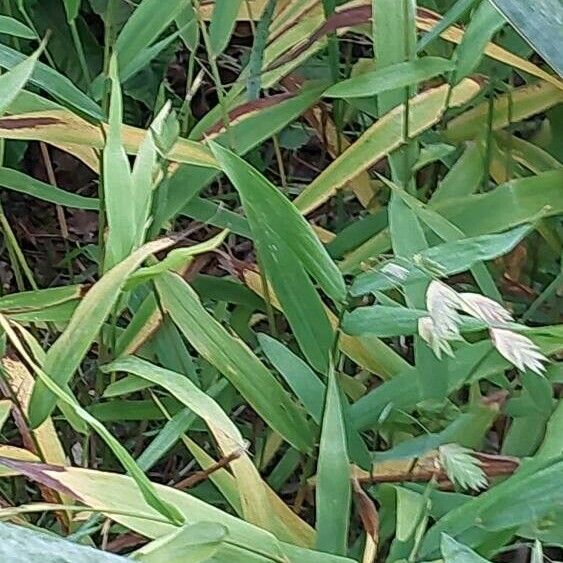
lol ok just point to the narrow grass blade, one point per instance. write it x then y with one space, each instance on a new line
237 363
59 86
333 491
250 486
65 355
398 75
381 139
222 24
486 21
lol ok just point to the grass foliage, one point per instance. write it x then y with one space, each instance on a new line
281 280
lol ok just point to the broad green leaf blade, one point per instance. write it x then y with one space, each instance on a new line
19 544
333 492
13 82
382 321
222 24
464 177
59 86
484 23
395 76
237 363
65 355
552 445
274 209
250 486
20 182
11 26
382 138
455 552
519 201
299 300
540 24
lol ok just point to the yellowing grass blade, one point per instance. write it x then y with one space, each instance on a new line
62 127
250 486
381 139
516 106
65 355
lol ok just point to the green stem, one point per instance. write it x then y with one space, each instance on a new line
80 52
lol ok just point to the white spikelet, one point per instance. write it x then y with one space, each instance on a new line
483 308
518 350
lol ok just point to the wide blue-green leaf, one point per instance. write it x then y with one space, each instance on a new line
20 544
540 23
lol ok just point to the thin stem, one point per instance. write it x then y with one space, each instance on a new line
80 52
216 76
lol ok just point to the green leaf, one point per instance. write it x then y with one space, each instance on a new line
528 496
19 544
13 82
250 485
119 189
519 201
15 28
289 252
464 177
148 21
333 488
382 138
517 105
65 355
304 382
268 203
59 86
389 78
538 23
484 23
20 182
455 552
222 24
246 134
120 497
72 7
199 542
237 363
457 10
449 258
